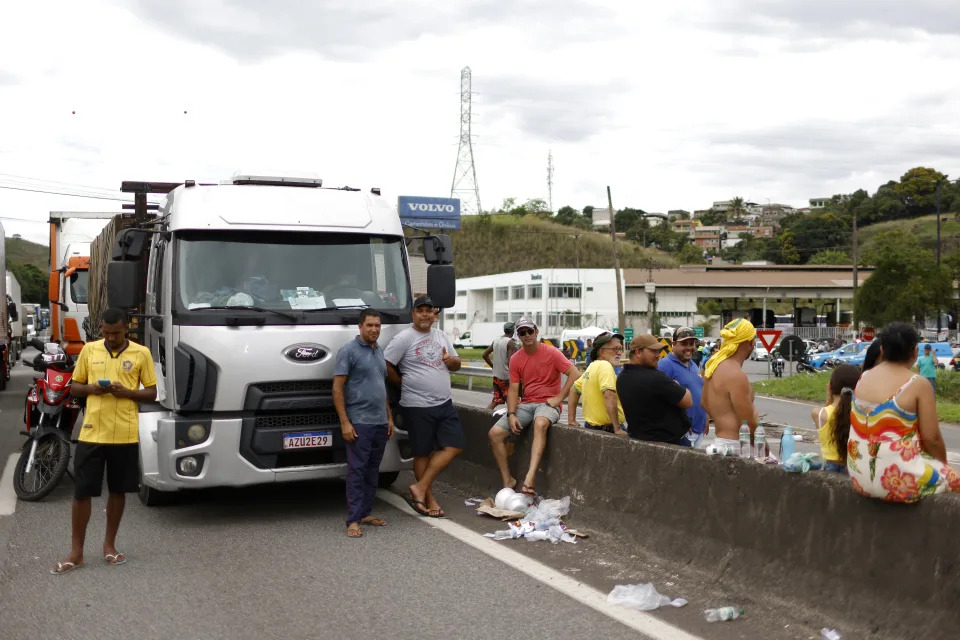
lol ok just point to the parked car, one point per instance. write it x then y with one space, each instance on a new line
760 353
842 355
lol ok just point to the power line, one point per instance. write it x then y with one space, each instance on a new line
64 193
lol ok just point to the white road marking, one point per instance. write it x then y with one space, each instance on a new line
801 403
637 620
8 498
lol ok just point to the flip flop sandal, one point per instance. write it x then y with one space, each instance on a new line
354 533
413 505
439 513
374 522
64 567
113 559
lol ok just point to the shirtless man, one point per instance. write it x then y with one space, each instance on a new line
727 395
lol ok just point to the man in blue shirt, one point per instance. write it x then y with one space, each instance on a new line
360 398
680 367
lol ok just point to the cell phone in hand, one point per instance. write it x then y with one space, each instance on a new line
103 382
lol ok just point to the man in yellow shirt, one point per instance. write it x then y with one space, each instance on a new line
110 373
598 386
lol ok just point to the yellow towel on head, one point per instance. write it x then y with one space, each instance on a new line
733 335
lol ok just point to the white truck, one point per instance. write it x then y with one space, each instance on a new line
480 335
71 233
18 339
246 291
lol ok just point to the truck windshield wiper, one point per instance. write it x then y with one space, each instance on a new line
249 307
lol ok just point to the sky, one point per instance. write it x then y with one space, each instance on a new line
674 105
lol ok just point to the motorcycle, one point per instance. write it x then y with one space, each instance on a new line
777 364
804 366
50 413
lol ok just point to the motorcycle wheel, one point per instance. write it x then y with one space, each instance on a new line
49 466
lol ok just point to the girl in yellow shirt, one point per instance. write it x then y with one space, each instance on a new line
833 420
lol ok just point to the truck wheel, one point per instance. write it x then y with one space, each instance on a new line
387 479
151 497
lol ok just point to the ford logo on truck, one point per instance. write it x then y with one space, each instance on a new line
304 352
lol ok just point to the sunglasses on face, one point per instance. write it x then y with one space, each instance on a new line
525 332
618 349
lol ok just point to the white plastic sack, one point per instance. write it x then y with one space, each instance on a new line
549 510
642 597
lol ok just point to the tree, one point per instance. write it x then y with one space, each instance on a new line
33 282
830 256
917 190
788 250
691 254
813 233
905 285
736 210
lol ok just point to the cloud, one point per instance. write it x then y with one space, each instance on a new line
552 111
343 29
829 20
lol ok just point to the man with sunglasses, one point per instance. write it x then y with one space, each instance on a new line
653 403
681 368
538 367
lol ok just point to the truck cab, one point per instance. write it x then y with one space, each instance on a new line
247 291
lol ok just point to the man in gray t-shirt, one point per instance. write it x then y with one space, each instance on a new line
419 361
497 356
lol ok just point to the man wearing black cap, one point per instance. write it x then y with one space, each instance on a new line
497 357
419 361
681 368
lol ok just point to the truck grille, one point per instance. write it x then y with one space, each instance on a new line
297 421
294 386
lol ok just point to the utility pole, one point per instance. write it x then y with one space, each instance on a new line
939 292
616 262
856 282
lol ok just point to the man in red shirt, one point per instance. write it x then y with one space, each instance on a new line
538 368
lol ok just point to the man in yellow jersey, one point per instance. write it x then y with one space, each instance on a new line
110 373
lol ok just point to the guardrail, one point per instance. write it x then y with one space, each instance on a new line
475 372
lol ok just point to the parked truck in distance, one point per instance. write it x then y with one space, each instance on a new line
18 339
246 291
70 235
8 313
480 335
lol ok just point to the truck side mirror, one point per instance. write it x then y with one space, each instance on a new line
53 287
438 249
123 284
442 285
14 316
130 244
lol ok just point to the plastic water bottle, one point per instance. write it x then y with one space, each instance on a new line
787 443
722 614
744 440
760 439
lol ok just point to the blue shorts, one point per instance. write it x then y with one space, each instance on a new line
432 428
838 467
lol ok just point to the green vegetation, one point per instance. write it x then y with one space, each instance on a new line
20 251
479 384
813 388
923 229
29 262
489 244
471 355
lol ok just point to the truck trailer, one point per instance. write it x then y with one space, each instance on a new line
70 235
244 292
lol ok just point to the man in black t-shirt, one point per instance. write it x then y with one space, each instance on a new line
653 404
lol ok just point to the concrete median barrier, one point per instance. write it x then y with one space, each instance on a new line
805 539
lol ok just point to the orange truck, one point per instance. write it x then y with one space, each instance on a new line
71 233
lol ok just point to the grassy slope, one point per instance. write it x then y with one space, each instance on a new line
812 388
923 228
506 243
22 251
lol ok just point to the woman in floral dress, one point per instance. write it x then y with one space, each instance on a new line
895 451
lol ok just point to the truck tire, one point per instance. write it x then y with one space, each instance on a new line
387 479
151 497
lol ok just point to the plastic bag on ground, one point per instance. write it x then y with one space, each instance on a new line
547 510
802 462
642 597
829 634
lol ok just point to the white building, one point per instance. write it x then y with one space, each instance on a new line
600 216
555 298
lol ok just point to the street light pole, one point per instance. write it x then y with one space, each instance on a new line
939 292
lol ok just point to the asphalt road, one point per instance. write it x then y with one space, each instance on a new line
273 562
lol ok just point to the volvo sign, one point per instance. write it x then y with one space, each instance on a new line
429 213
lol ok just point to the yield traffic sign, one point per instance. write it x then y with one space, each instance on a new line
769 337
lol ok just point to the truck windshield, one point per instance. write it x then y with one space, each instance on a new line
79 283
283 271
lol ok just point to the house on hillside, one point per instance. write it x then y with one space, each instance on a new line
819 203
707 237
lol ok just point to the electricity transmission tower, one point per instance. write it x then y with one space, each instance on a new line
550 180
465 174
